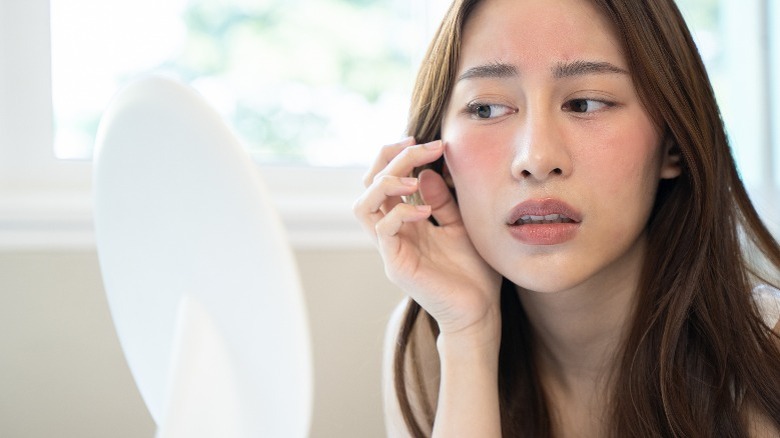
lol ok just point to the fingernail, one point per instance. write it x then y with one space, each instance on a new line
409 181
423 208
436 144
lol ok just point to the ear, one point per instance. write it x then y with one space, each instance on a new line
670 162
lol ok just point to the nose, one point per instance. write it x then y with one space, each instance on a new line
540 151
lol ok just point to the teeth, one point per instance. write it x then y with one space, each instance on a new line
547 219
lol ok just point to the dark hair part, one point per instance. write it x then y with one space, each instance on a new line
697 352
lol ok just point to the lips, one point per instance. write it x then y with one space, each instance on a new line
544 222
543 211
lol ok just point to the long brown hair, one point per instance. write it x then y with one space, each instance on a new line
697 352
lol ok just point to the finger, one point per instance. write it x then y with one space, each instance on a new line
384 194
391 223
393 188
386 155
436 193
412 157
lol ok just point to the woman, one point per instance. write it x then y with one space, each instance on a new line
576 260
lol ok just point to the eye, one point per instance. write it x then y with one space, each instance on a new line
488 111
585 105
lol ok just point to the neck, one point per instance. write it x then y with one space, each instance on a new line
579 331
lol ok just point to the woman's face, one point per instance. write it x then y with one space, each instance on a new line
554 158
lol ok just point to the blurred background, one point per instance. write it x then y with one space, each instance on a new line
313 88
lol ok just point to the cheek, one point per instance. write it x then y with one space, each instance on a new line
629 151
643 162
627 168
473 155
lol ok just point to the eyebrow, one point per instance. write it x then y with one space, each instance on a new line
581 68
493 70
562 70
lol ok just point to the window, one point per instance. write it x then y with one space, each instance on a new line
44 201
322 82
731 40
315 82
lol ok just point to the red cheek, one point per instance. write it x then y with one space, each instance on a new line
469 153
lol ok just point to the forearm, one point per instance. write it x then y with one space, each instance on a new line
468 403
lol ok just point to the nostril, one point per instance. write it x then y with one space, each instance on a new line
525 173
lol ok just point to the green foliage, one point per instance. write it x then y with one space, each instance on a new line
288 64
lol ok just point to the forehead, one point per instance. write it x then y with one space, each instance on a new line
538 33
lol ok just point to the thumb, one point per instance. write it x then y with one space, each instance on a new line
434 192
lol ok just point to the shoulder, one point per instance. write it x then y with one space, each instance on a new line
759 424
423 357
767 300
394 422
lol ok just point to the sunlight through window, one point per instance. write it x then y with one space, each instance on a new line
312 82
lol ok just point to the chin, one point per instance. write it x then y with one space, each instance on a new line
545 274
546 283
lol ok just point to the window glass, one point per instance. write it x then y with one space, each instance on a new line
729 36
301 81
325 82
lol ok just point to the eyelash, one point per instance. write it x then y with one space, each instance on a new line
472 109
568 105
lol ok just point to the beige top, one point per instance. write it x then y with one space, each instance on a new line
768 301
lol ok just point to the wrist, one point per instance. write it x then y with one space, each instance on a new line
468 403
480 340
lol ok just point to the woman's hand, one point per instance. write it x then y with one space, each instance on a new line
436 265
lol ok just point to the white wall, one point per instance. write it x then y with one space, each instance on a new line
62 373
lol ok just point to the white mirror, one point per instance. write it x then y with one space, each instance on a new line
201 281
